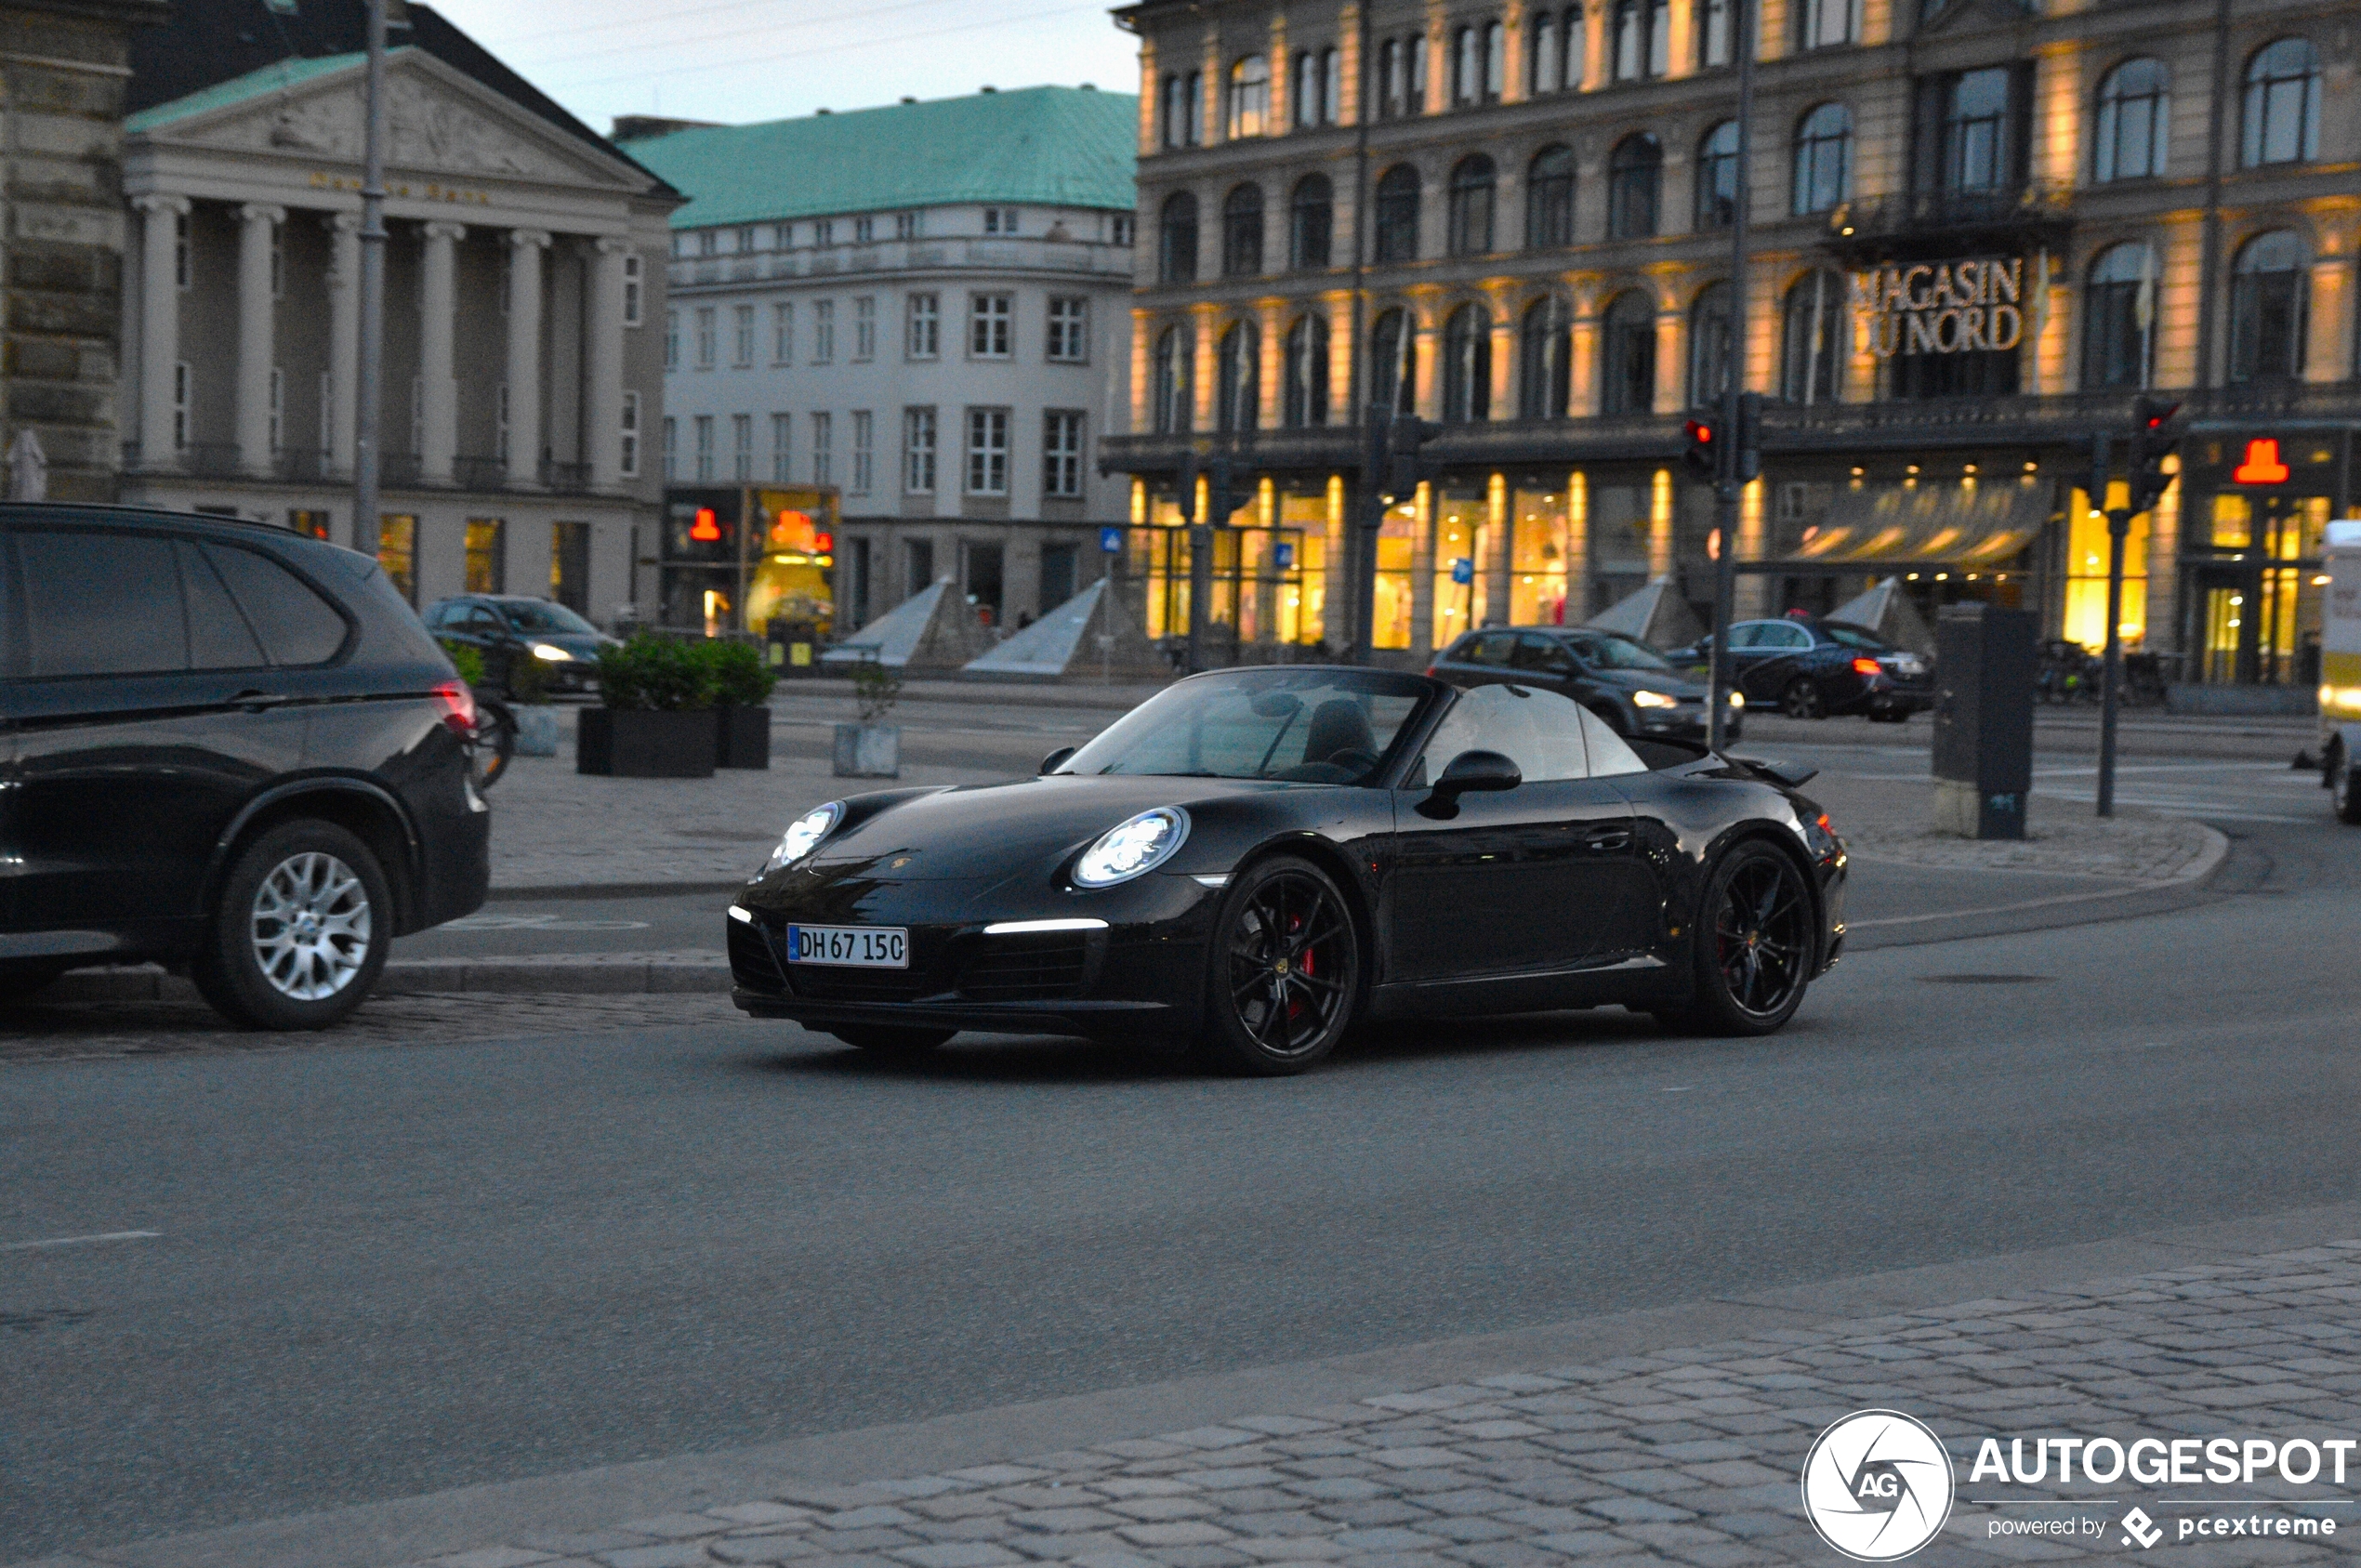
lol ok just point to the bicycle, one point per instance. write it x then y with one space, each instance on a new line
492 743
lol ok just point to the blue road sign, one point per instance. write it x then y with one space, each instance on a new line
1285 556
1110 540
1462 569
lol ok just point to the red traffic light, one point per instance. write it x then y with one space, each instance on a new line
1698 431
1697 448
2262 466
706 527
2158 415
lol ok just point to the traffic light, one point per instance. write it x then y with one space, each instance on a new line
1698 450
1404 468
2154 438
1220 502
1749 436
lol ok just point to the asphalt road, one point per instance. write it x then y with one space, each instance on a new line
377 1273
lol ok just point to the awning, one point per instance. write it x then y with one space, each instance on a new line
1966 523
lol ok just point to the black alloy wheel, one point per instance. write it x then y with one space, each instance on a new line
2341 795
1284 979
1755 944
1802 699
881 1040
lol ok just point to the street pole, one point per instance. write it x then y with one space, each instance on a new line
1727 485
2111 677
1200 563
1369 520
368 397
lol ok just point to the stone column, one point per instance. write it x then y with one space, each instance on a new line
2328 356
1672 369
438 305
606 362
1660 526
159 324
1205 370
258 225
1577 562
1504 353
525 247
343 335
1340 391
1271 373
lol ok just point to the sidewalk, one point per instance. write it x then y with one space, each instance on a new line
1678 1438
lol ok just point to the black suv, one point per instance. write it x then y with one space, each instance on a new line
1635 688
225 746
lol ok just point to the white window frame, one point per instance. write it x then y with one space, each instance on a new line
742 337
781 448
920 435
865 230
823 233
672 340
864 328
863 453
671 449
635 286
907 226
824 433
627 457
992 326
922 333
1069 329
986 450
783 332
707 343
703 429
1062 436
823 331
742 448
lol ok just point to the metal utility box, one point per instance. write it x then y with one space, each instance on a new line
1985 669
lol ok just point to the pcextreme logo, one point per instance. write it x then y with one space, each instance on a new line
1877 1485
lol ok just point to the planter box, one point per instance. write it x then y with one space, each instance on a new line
868 751
742 737
536 731
645 746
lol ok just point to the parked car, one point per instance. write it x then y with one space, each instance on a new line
1810 669
226 746
1635 688
1254 859
506 628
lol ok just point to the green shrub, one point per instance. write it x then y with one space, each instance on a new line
740 678
467 660
875 688
654 673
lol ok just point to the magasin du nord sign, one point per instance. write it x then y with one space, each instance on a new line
1950 308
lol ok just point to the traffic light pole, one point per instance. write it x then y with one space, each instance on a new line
1200 562
1371 519
1728 484
2111 680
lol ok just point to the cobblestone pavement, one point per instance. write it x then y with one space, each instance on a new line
1688 1456
2062 840
70 1031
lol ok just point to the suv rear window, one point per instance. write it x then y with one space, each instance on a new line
102 604
296 626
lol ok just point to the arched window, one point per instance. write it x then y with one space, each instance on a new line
1549 198
1810 339
2270 299
1242 233
1718 177
1311 222
2283 104
1241 367
1397 205
1545 360
1471 187
1634 175
1823 159
1709 345
1714 19
1467 365
2134 111
1823 23
1249 97
1176 244
1628 367
1305 401
1393 363
1175 398
2118 310
1643 39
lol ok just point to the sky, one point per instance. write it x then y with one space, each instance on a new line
740 61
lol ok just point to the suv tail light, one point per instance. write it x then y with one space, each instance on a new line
1866 666
1431 668
458 707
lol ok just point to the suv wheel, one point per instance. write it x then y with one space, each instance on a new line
301 931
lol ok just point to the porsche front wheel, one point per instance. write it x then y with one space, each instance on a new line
1283 969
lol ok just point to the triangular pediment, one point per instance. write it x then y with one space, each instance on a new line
439 121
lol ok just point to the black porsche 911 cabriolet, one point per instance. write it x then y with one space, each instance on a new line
1254 860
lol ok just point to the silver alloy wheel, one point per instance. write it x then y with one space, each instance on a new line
311 926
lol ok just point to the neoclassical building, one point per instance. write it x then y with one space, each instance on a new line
522 372
1979 230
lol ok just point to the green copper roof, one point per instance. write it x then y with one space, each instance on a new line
1053 145
275 77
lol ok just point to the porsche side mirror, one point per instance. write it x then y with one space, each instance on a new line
1471 771
1057 758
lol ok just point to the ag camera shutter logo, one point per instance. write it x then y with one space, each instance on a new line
1878 1485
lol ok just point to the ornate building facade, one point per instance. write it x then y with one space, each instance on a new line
1979 230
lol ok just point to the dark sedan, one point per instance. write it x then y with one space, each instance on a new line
506 628
1623 680
1810 669
1253 861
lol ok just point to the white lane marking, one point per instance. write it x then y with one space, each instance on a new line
82 1241
537 923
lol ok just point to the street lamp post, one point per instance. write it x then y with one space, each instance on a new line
368 400
1729 484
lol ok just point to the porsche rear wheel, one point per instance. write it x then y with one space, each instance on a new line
880 1040
1283 969
1755 944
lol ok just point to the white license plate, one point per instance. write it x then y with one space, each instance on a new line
851 947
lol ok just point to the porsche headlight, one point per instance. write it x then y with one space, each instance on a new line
804 834
1654 699
1132 849
549 653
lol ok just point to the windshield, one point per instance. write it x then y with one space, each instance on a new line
1322 726
1849 638
1614 651
534 617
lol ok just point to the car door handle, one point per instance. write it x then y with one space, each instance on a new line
1606 840
255 701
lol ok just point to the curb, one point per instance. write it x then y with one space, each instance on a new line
2180 891
558 891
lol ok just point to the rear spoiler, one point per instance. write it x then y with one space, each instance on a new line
1795 775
